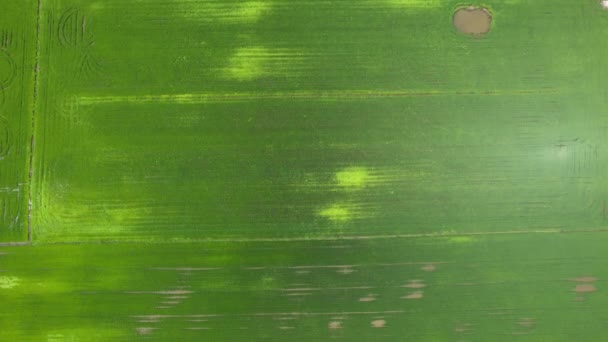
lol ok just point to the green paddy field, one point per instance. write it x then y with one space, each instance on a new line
273 170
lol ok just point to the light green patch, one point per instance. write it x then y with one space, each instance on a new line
461 239
297 59
247 12
64 209
266 282
9 282
337 213
249 63
252 11
85 334
353 177
96 6
414 3
445 232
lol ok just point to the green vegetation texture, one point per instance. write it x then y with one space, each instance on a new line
197 120
476 288
17 56
277 170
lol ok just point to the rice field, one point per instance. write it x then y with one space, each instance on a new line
303 170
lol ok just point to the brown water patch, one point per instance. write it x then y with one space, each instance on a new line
584 288
463 328
155 317
172 292
145 330
298 294
186 269
173 302
345 271
472 20
414 285
585 279
429 268
378 323
414 295
334 325
369 298
526 322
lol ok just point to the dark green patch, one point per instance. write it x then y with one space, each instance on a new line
17 64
